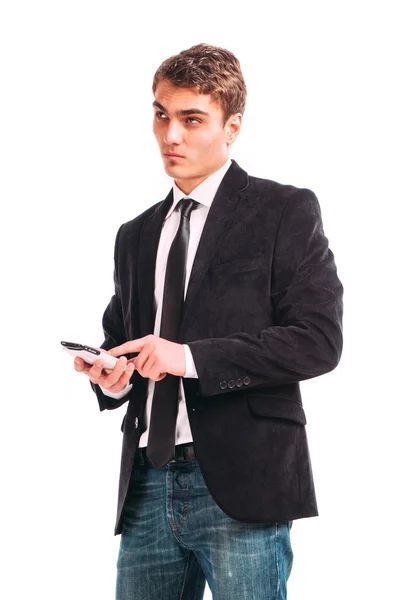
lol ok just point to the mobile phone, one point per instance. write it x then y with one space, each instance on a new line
89 354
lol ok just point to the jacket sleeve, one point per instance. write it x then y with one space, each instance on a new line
114 332
306 338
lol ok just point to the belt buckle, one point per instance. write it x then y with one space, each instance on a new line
183 453
179 455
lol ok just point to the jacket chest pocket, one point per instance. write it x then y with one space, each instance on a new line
242 274
238 265
234 296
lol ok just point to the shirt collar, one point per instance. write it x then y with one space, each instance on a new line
205 192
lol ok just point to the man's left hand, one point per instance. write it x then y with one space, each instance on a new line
156 358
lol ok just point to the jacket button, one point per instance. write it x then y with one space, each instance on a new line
239 382
136 423
246 380
223 385
231 384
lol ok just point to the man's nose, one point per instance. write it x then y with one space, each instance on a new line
173 134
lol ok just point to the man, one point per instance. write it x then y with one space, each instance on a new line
227 294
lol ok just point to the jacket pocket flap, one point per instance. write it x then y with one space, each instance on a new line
281 408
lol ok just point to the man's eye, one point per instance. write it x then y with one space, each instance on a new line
193 120
160 115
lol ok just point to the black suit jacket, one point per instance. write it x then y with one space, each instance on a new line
263 311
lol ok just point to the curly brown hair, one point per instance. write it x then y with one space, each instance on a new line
210 70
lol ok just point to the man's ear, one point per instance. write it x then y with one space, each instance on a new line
233 126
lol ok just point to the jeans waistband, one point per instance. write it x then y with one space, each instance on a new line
181 452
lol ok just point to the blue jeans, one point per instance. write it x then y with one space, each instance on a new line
175 537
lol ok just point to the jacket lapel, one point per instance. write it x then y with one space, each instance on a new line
221 212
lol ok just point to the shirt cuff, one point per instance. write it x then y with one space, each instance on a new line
117 395
190 370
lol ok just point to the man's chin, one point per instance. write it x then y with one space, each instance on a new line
175 170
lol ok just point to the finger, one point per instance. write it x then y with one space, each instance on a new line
150 368
124 379
114 376
81 366
142 358
156 376
133 346
96 371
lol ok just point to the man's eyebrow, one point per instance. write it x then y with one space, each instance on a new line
182 113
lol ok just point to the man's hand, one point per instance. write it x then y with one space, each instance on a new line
113 380
156 358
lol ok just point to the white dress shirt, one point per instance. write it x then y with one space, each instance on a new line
203 194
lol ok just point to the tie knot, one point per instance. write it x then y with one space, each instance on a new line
186 206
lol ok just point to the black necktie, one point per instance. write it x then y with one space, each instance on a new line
161 438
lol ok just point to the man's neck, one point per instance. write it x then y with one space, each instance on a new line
188 185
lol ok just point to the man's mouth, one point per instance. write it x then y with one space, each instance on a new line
173 155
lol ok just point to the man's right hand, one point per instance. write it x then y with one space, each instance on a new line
114 380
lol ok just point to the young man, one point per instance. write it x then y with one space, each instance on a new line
227 294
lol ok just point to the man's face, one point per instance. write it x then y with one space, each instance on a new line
193 141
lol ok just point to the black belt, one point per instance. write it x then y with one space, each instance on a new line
181 452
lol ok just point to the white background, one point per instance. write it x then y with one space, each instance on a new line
78 158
